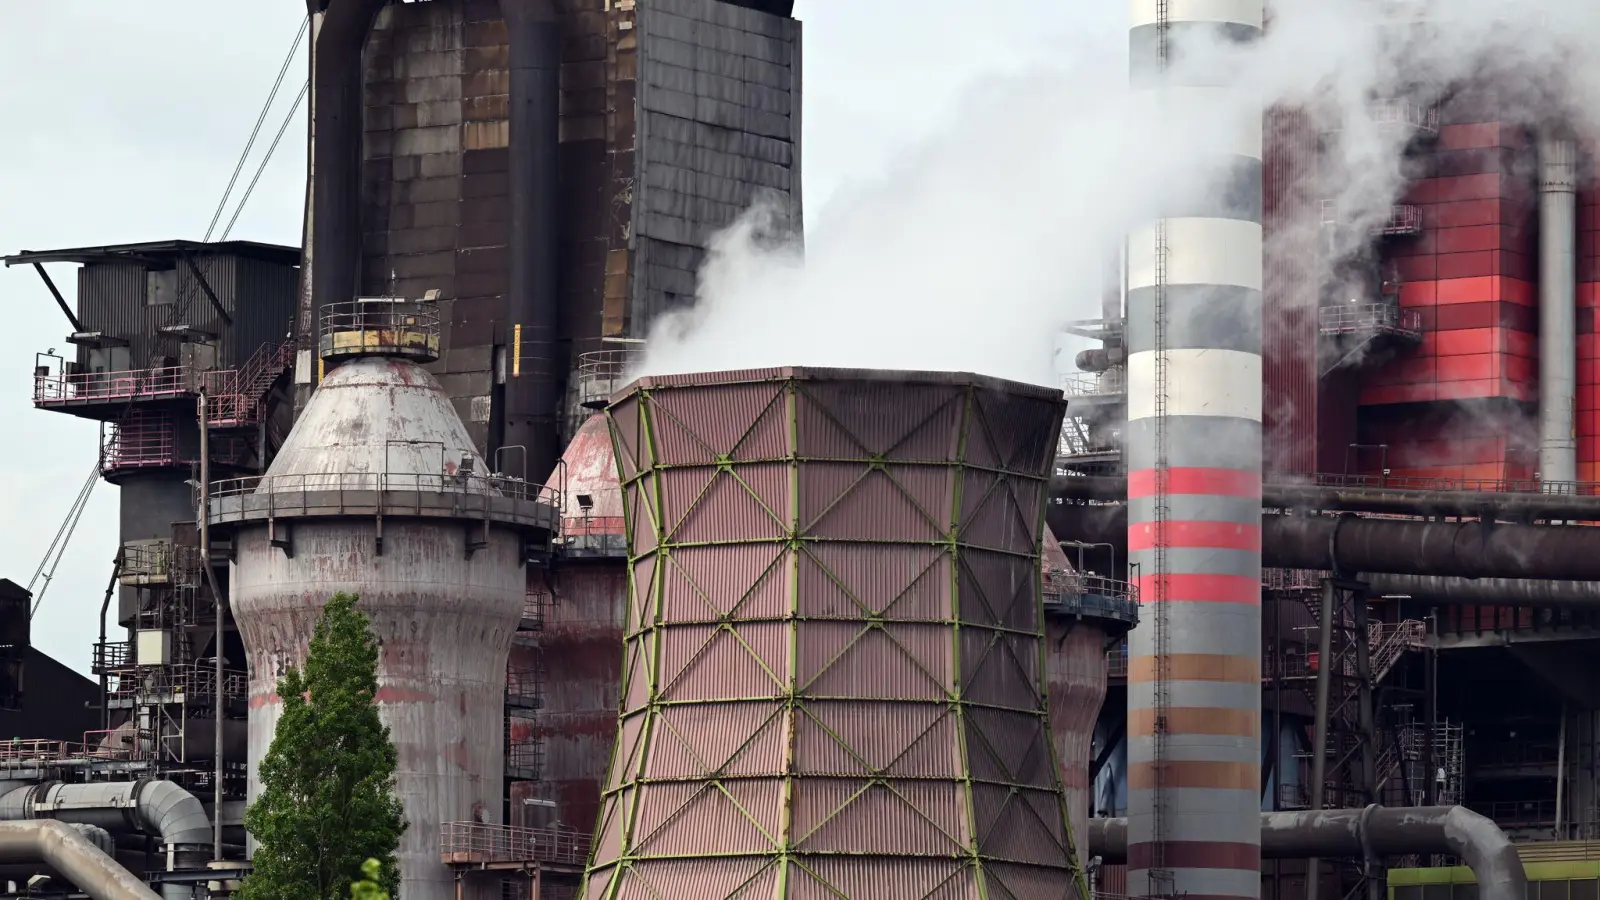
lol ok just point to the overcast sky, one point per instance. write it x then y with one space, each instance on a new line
125 120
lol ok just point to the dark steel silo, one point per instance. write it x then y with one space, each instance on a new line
833 677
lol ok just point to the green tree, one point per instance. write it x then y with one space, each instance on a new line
327 801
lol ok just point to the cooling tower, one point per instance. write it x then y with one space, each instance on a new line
1194 471
376 492
833 668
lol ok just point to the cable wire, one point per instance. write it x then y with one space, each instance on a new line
58 544
256 131
245 198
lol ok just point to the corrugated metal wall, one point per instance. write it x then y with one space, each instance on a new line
1289 319
115 297
719 107
435 210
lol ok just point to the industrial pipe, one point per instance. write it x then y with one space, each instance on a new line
1503 505
533 394
1351 544
1439 590
65 849
156 808
337 106
1558 307
1375 831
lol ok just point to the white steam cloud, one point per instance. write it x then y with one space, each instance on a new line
988 239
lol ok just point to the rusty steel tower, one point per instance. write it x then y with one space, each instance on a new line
377 492
834 673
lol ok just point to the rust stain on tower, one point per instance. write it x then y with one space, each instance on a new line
833 671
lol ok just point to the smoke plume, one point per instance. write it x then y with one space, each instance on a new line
989 238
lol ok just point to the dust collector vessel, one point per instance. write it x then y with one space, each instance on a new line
833 668
377 492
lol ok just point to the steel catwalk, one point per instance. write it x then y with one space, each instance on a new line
1194 698
833 680
444 616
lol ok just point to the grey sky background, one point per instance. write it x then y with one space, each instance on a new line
123 121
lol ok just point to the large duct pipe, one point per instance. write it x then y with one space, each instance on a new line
1351 544
1558 307
1194 446
1380 831
66 850
533 398
1502 505
155 808
337 107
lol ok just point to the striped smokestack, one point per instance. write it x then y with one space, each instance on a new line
1194 486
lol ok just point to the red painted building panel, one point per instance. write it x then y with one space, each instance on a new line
1470 136
1465 213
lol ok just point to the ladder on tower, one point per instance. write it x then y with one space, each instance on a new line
1160 875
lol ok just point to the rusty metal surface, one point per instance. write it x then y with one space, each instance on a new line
833 676
1077 689
1076 675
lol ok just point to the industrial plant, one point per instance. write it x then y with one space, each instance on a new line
1290 591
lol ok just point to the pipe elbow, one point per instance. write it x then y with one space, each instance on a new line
1488 852
172 812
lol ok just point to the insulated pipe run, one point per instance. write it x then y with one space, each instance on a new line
533 398
1374 831
1193 439
1558 324
1510 506
156 808
1440 590
65 849
1352 544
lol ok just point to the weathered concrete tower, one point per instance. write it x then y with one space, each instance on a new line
377 492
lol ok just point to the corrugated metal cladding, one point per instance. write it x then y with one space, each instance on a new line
719 126
435 207
133 301
1290 301
833 674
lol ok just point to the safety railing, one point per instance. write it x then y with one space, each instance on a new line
188 680
1403 219
235 396
1291 579
1088 594
110 656
1517 813
1112 381
492 485
524 687
602 372
1407 113
1392 640
61 387
1353 318
476 843
535 611
380 326
525 759
1117 661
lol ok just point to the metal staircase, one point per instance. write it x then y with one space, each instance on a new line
237 398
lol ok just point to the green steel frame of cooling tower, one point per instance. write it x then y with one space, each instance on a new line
834 663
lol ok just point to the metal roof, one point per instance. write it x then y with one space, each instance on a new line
158 251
